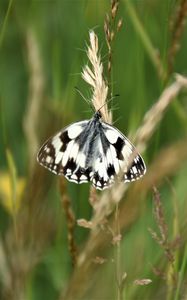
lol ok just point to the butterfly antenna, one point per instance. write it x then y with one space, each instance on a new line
108 101
84 98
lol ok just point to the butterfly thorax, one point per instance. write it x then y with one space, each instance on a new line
88 139
97 115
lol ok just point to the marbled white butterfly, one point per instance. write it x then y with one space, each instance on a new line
91 150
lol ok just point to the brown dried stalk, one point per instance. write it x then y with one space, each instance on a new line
110 29
177 29
36 89
159 216
93 197
71 221
163 239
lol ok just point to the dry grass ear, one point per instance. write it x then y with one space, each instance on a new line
112 26
93 75
163 240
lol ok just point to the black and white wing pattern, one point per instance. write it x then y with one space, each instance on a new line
122 156
92 150
60 153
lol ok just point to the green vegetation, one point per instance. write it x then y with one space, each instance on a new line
128 243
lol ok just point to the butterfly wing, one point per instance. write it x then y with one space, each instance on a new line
125 154
94 151
116 155
60 153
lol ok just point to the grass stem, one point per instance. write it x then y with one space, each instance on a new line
149 48
2 33
181 275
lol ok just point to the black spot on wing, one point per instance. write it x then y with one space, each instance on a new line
65 140
80 172
119 146
99 182
88 172
46 156
136 170
70 165
110 170
97 177
46 150
100 158
56 168
77 172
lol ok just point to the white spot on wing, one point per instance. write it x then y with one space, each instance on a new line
134 169
56 142
100 162
74 151
74 176
111 135
48 159
127 150
114 159
81 159
47 149
58 157
68 172
74 131
67 153
83 177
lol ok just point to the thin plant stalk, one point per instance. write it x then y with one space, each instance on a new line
149 48
13 180
2 33
181 275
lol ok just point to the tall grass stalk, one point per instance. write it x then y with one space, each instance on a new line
13 184
178 293
149 48
4 24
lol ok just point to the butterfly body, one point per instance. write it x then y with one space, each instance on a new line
92 150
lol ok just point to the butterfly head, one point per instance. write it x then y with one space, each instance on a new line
98 115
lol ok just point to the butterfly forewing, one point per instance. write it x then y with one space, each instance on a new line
60 153
122 156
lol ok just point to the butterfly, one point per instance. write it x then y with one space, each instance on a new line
92 150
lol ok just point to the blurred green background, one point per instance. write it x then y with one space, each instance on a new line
42 53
